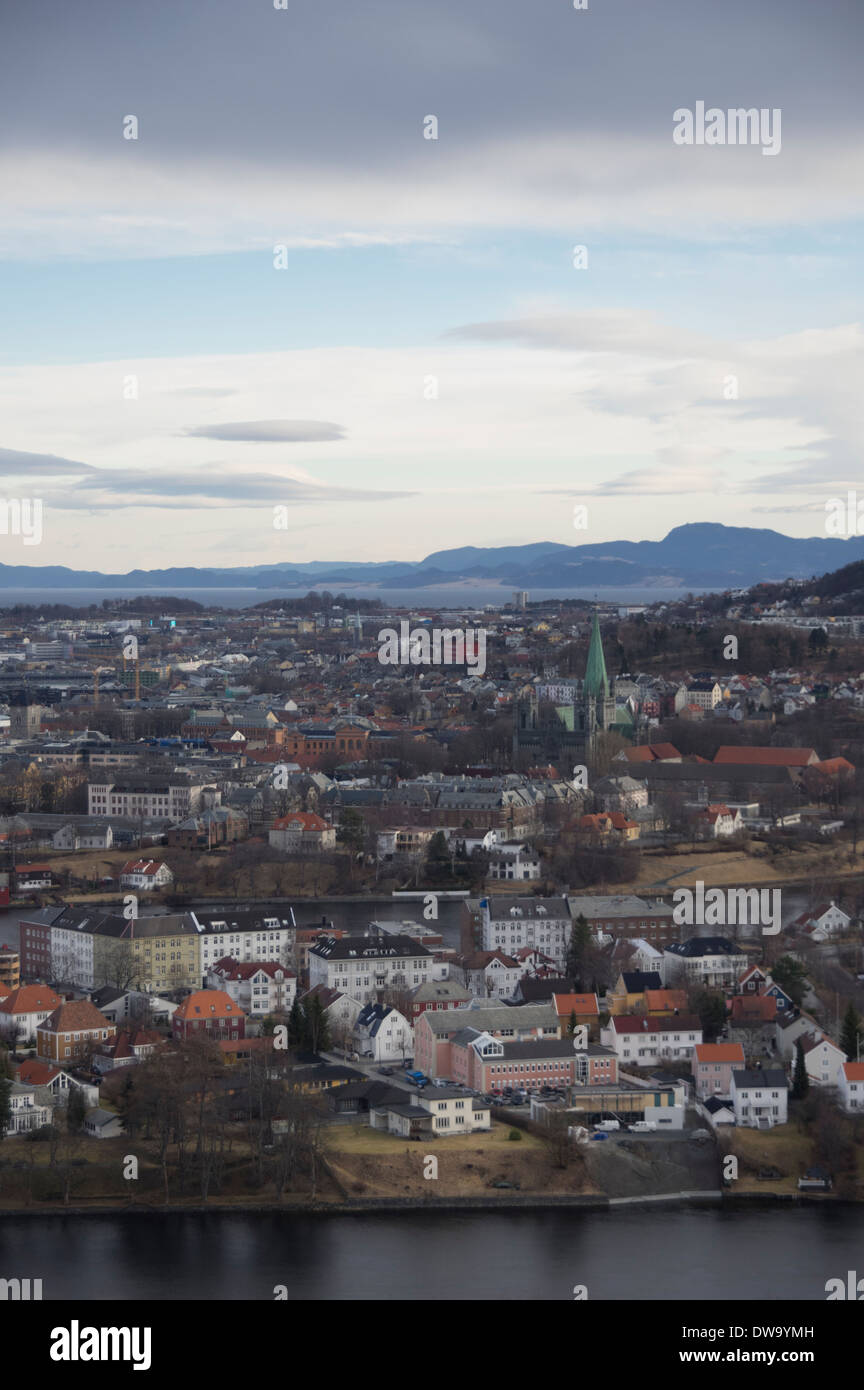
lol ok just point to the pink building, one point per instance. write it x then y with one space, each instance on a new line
434 1033
713 1065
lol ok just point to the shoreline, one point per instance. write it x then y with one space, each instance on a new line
391 1206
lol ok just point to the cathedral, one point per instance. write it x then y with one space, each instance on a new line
565 734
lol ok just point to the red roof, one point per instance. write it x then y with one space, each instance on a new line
674 1023
30 999
566 1004
306 819
208 1003
765 757
719 1052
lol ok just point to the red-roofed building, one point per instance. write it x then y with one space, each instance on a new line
300 831
145 874
751 1010
127 1048
649 753
72 1031
822 922
713 1065
766 757
210 1013
24 1009
584 1006
259 987
850 1086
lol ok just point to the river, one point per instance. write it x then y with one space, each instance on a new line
669 1253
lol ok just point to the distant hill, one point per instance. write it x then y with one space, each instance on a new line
699 555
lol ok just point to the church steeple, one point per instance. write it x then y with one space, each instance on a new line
596 680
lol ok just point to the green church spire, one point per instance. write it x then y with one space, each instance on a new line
596 679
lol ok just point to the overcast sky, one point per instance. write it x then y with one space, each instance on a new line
428 368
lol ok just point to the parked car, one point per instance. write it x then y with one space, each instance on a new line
441 1081
385 1071
608 1125
700 1135
599 1135
643 1127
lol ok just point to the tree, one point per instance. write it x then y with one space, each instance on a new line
5 1106
851 1033
76 1109
800 1080
711 1009
577 949
790 975
352 829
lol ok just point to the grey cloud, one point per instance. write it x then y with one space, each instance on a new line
15 463
592 330
109 489
269 431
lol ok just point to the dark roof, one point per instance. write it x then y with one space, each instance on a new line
705 946
756 1076
637 981
358 947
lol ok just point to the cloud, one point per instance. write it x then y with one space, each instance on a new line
112 489
16 463
269 431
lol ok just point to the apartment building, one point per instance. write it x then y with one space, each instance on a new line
511 924
147 797
643 1041
363 965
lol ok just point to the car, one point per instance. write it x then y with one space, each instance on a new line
642 1127
441 1081
700 1135
599 1135
502 1183
385 1071
608 1125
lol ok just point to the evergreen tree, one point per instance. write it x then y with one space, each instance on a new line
577 948
800 1080
5 1105
790 975
296 1025
573 1024
851 1033
76 1109
711 1009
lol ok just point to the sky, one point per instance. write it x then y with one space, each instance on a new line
283 299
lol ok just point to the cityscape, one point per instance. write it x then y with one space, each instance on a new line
478 916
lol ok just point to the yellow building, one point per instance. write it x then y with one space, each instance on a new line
150 953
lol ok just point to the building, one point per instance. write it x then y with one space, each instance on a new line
576 1009
626 915
850 1086
146 798
643 1041
566 734
487 974
209 1013
145 875
126 1049
823 922
440 1112
383 1033
823 1060
759 1097
258 987
10 969
364 965
23 1010
300 833
713 961
511 924
434 1032
27 1110
340 1012
713 1065
437 994
627 995
72 1032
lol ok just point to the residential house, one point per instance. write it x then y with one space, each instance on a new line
825 921
759 1097
642 1041
823 1060
301 832
713 1065
145 875
627 995
259 987
24 1009
72 1032
28 1108
383 1033
211 1013
713 961
850 1086
435 995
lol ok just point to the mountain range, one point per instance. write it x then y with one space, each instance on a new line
699 555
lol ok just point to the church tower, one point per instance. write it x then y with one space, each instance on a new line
598 701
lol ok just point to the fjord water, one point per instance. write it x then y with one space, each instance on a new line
765 1254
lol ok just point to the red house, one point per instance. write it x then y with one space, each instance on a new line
209 1013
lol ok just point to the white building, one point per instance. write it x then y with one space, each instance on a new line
244 935
147 798
363 965
706 960
643 1041
26 1110
513 860
823 1060
258 987
508 924
145 874
383 1033
760 1098
850 1086
823 922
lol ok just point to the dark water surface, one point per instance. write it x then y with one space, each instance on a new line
673 1253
